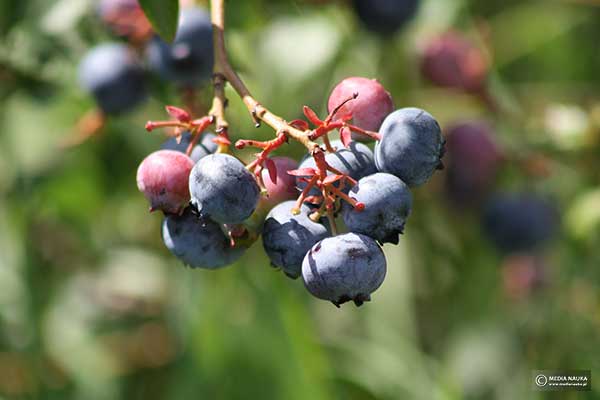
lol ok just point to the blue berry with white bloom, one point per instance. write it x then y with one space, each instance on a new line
222 189
287 237
343 268
411 146
387 202
198 242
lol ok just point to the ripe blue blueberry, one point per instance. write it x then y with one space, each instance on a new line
198 242
356 161
387 203
287 237
223 189
111 74
411 146
343 268
385 16
519 222
204 147
189 59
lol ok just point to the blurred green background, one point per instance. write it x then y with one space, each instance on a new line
92 306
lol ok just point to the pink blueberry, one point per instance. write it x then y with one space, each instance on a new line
163 178
285 187
371 106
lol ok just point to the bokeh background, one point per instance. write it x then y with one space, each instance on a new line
92 306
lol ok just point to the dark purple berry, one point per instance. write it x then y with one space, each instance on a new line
451 60
474 158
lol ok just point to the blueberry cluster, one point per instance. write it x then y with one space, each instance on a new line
215 206
114 74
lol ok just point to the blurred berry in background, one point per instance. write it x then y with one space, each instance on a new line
473 161
452 60
188 60
385 16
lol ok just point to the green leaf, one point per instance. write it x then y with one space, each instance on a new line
163 15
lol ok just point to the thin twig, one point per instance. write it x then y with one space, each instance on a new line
224 68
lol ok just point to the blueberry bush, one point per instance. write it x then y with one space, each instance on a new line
350 199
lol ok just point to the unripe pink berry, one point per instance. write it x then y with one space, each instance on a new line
285 187
451 60
369 109
523 275
163 178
